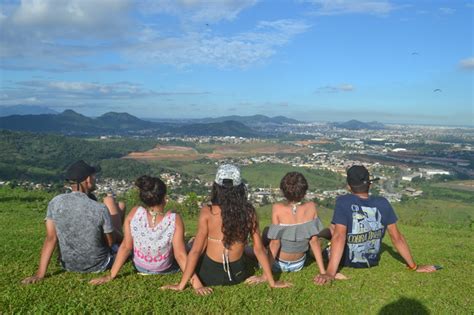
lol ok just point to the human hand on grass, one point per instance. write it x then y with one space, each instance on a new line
173 287
101 280
340 276
203 290
281 284
322 279
426 268
32 279
255 280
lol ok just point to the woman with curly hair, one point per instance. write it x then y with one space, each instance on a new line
224 227
295 227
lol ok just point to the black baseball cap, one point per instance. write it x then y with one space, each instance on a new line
80 170
358 175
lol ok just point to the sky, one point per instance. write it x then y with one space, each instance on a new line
312 60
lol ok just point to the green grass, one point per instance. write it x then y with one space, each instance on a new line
389 287
265 175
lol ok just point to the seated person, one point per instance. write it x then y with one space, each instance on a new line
295 227
82 226
156 238
358 227
224 227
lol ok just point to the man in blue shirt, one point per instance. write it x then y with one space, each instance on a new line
358 225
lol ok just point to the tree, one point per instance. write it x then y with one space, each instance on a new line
191 204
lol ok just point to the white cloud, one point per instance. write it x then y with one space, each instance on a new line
467 64
75 35
54 30
338 7
447 11
197 10
74 16
241 50
345 87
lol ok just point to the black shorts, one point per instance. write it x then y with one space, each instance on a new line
212 273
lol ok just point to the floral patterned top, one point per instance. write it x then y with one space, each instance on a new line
152 246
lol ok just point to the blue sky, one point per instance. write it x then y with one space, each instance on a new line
314 60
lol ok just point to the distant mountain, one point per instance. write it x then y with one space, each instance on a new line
251 120
72 123
225 128
25 110
358 125
125 121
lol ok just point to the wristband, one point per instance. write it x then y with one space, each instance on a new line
413 268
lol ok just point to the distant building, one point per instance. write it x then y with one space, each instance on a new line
410 177
399 150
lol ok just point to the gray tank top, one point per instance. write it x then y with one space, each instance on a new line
295 238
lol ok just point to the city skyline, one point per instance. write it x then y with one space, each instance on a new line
315 60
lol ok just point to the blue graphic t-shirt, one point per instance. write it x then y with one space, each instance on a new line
366 221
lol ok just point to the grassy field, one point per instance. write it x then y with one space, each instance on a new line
258 175
465 185
387 289
216 151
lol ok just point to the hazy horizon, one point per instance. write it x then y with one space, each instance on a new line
392 61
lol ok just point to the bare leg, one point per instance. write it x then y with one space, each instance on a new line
116 214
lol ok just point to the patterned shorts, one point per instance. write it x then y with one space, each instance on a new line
280 265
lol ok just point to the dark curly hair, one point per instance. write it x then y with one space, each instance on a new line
294 186
239 218
152 190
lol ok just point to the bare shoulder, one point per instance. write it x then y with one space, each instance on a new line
205 211
177 217
311 207
132 212
277 207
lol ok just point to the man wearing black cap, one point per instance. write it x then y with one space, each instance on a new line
82 226
358 226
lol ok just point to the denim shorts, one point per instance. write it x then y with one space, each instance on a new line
288 266
173 269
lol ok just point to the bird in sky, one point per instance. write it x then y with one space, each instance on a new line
437 90
414 53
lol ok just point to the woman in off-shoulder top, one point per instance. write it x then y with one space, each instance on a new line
295 227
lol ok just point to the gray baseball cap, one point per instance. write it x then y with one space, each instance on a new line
228 171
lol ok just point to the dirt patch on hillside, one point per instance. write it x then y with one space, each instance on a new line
166 153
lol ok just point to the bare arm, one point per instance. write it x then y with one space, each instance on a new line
196 250
316 248
179 251
262 258
124 251
401 245
46 253
275 245
338 242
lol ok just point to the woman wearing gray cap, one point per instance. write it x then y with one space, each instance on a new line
224 227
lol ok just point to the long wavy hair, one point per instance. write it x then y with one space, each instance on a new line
239 218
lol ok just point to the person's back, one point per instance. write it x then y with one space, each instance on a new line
293 230
295 227
80 226
223 229
366 220
215 246
358 225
